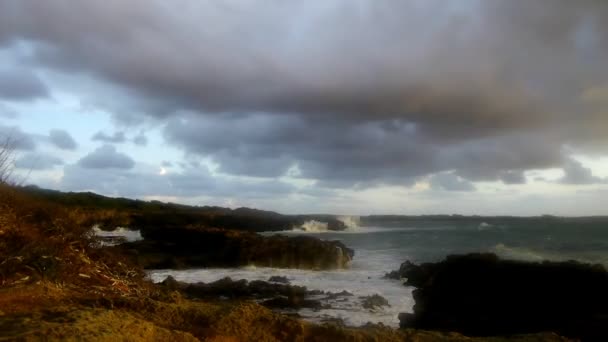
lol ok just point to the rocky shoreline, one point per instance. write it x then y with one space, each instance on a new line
57 283
180 248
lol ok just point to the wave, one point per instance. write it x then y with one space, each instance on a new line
520 253
351 222
484 226
313 226
117 235
537 255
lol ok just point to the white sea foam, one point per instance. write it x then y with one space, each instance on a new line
351 222
313 226
349 309
120 234
484 226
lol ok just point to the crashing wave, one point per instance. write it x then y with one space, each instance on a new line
313 226
117 236
519 253
351 222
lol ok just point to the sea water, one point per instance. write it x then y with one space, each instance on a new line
379 250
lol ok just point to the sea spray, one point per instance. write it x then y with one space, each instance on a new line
116 236
313 226
351 222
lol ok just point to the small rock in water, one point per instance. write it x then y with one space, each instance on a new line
344 293
279 279
374 301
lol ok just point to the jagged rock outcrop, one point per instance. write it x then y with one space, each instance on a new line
374 301
187 248
481 295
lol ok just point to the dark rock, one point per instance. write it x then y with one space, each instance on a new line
171 284
186 248
336 295
236 289
294 302
481 295
373 302
279 279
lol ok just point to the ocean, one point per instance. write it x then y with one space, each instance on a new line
382 247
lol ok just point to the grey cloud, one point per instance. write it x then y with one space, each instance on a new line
190 183
576 173
106 157
354 93
62 139
166 163
7 113
140 140
450 182
513 177
21 85
17 139
116 138
37 162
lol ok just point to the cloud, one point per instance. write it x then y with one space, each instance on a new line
17 139
62 139
7 113
353 93
37 162
140 140
21 85
450 182
143 181
106 157
116 138
576 173
513 177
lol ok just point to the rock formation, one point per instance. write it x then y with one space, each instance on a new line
481 295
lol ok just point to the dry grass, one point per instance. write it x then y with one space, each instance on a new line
43 241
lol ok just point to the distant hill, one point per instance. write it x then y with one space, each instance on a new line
138 214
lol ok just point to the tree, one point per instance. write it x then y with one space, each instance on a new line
7 159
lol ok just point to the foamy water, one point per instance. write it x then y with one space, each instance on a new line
379 250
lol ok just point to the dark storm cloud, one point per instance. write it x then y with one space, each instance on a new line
20 85
37 162
62 139
351 92
106 157
450 182
116 138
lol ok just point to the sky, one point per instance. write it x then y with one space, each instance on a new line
323 106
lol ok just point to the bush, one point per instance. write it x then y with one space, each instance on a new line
40 240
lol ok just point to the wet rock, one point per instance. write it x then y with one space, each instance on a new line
171 284
337 295
481 295
294 302
279 279
236 289
373 302
189 248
